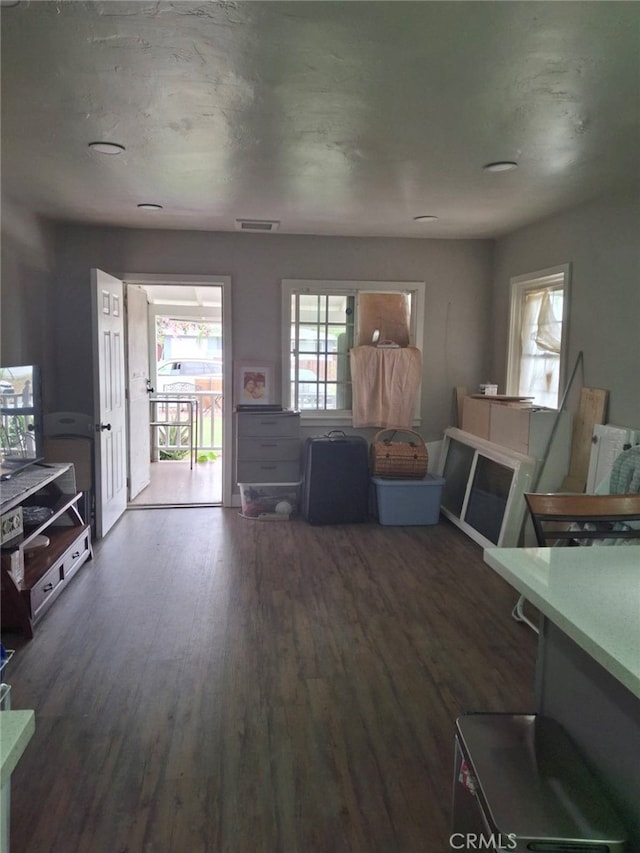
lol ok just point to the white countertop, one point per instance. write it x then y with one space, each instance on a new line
16 730
590 593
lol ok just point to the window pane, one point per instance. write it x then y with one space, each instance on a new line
322 332
488 498
541 342
308 338
312 307
536 354
337 307
320 340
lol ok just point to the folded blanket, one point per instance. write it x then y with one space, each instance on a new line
386 383
625 473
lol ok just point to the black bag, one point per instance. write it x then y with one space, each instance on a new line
335 488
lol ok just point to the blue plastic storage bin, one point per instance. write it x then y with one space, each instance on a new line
405 502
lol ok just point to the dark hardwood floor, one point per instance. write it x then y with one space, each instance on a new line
212 683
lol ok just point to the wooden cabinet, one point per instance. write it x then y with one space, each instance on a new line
268 447
33 580
541 433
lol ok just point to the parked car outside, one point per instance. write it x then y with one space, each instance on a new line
6 387
204 373
311 393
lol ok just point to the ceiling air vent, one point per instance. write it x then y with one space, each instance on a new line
260 225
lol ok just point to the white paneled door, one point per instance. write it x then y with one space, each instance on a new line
110 404
138 438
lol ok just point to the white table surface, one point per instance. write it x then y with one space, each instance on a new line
16 730
590 593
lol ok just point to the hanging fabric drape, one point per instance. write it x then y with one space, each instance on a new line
549 329
386 383
541 334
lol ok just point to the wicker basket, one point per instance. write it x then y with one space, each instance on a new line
398 460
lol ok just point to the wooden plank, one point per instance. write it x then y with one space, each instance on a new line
502 398
461 393
592 410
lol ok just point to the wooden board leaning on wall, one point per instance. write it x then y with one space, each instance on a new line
592 410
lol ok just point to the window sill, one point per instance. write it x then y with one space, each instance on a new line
338 419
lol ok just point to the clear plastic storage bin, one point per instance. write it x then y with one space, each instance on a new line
267 499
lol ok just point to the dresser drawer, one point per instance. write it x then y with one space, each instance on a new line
45 588
268 449
273 425
254 471
76 555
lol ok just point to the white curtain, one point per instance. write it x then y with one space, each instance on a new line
549 329
541 338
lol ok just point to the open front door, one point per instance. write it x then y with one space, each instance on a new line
110 407
139 389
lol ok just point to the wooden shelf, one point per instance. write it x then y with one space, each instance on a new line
60 506
38 563
48 570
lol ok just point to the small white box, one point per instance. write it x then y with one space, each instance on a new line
11 525
13 562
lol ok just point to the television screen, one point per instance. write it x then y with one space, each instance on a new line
21 438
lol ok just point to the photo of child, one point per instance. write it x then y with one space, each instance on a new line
253 385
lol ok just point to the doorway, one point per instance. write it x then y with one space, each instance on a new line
187 334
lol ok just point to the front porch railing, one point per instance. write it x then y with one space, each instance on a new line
172 439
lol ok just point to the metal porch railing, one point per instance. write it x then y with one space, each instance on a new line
177 424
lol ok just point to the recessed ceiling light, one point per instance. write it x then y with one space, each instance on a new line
501 166
106 147
148 206
425 218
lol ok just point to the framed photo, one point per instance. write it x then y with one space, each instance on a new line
254 383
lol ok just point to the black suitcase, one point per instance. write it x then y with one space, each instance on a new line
335 488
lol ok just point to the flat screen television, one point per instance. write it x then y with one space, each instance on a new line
21 433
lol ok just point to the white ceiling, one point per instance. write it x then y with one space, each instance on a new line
207 298
341 118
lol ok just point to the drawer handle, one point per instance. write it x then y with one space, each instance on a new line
273 444
75 555
268 467
47 588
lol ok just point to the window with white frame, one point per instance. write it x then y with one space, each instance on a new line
536 362
320 323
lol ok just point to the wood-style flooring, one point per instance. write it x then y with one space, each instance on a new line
212 683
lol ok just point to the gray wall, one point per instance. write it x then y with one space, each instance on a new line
26 290
602 241
458 295
46 296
